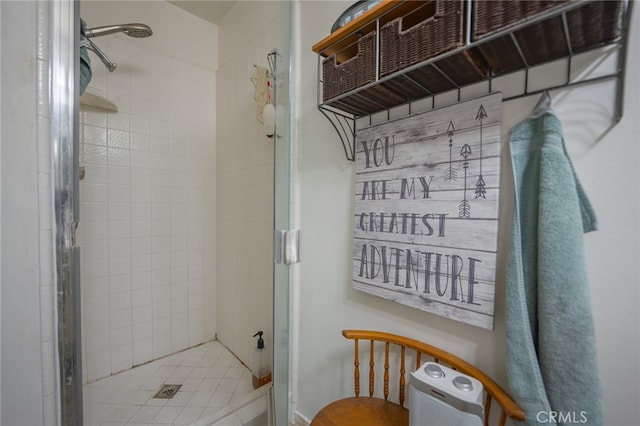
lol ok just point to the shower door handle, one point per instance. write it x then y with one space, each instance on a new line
286 246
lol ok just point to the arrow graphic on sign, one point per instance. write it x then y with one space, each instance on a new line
480 184
450 173
465 207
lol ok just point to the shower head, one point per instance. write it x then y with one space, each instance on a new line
132 30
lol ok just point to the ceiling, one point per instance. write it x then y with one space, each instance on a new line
213 11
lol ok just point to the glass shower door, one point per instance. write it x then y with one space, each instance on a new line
282 220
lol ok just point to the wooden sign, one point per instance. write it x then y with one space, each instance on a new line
426 210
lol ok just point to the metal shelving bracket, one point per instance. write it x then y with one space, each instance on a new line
344 121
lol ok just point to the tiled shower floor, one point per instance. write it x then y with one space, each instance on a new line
211 378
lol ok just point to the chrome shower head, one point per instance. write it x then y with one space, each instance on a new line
132 30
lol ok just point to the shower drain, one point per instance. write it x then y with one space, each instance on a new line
167 391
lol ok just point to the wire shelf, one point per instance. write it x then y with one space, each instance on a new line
407 86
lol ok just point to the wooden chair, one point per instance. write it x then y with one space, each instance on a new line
372 411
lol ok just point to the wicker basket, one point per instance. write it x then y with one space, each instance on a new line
594 24
436 34
339 78
490 16
588 26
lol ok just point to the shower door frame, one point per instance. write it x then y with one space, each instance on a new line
64 103
283 223
64 100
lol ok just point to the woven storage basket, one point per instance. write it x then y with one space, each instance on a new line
594 24
590 25
490 16
437 34
357 71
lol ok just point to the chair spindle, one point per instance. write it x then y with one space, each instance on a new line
402 370
386 371
487 409
503 418
371 370
356 374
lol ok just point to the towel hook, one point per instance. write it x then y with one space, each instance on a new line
543 104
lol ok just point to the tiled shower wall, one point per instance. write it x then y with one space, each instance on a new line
245 167
147 229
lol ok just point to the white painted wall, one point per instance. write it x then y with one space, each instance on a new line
20 281
147 216
27 290
608 169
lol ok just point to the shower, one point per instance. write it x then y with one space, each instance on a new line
132 30
135 30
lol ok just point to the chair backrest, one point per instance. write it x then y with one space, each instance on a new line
493 391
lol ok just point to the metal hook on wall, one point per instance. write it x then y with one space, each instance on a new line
544 103
272 61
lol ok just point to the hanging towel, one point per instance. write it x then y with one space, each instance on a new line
551 359
85 62
260 80
85 69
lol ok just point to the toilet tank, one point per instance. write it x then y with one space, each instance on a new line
441 396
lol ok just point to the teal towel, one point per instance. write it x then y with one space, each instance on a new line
85 69
551 359
85 62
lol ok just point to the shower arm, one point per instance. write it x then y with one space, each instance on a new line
111 66
102 31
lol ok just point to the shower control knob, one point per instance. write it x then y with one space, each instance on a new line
463 384
434 371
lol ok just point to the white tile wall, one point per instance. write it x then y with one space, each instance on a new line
147 207
245 173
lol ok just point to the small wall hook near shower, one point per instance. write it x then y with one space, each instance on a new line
272 61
